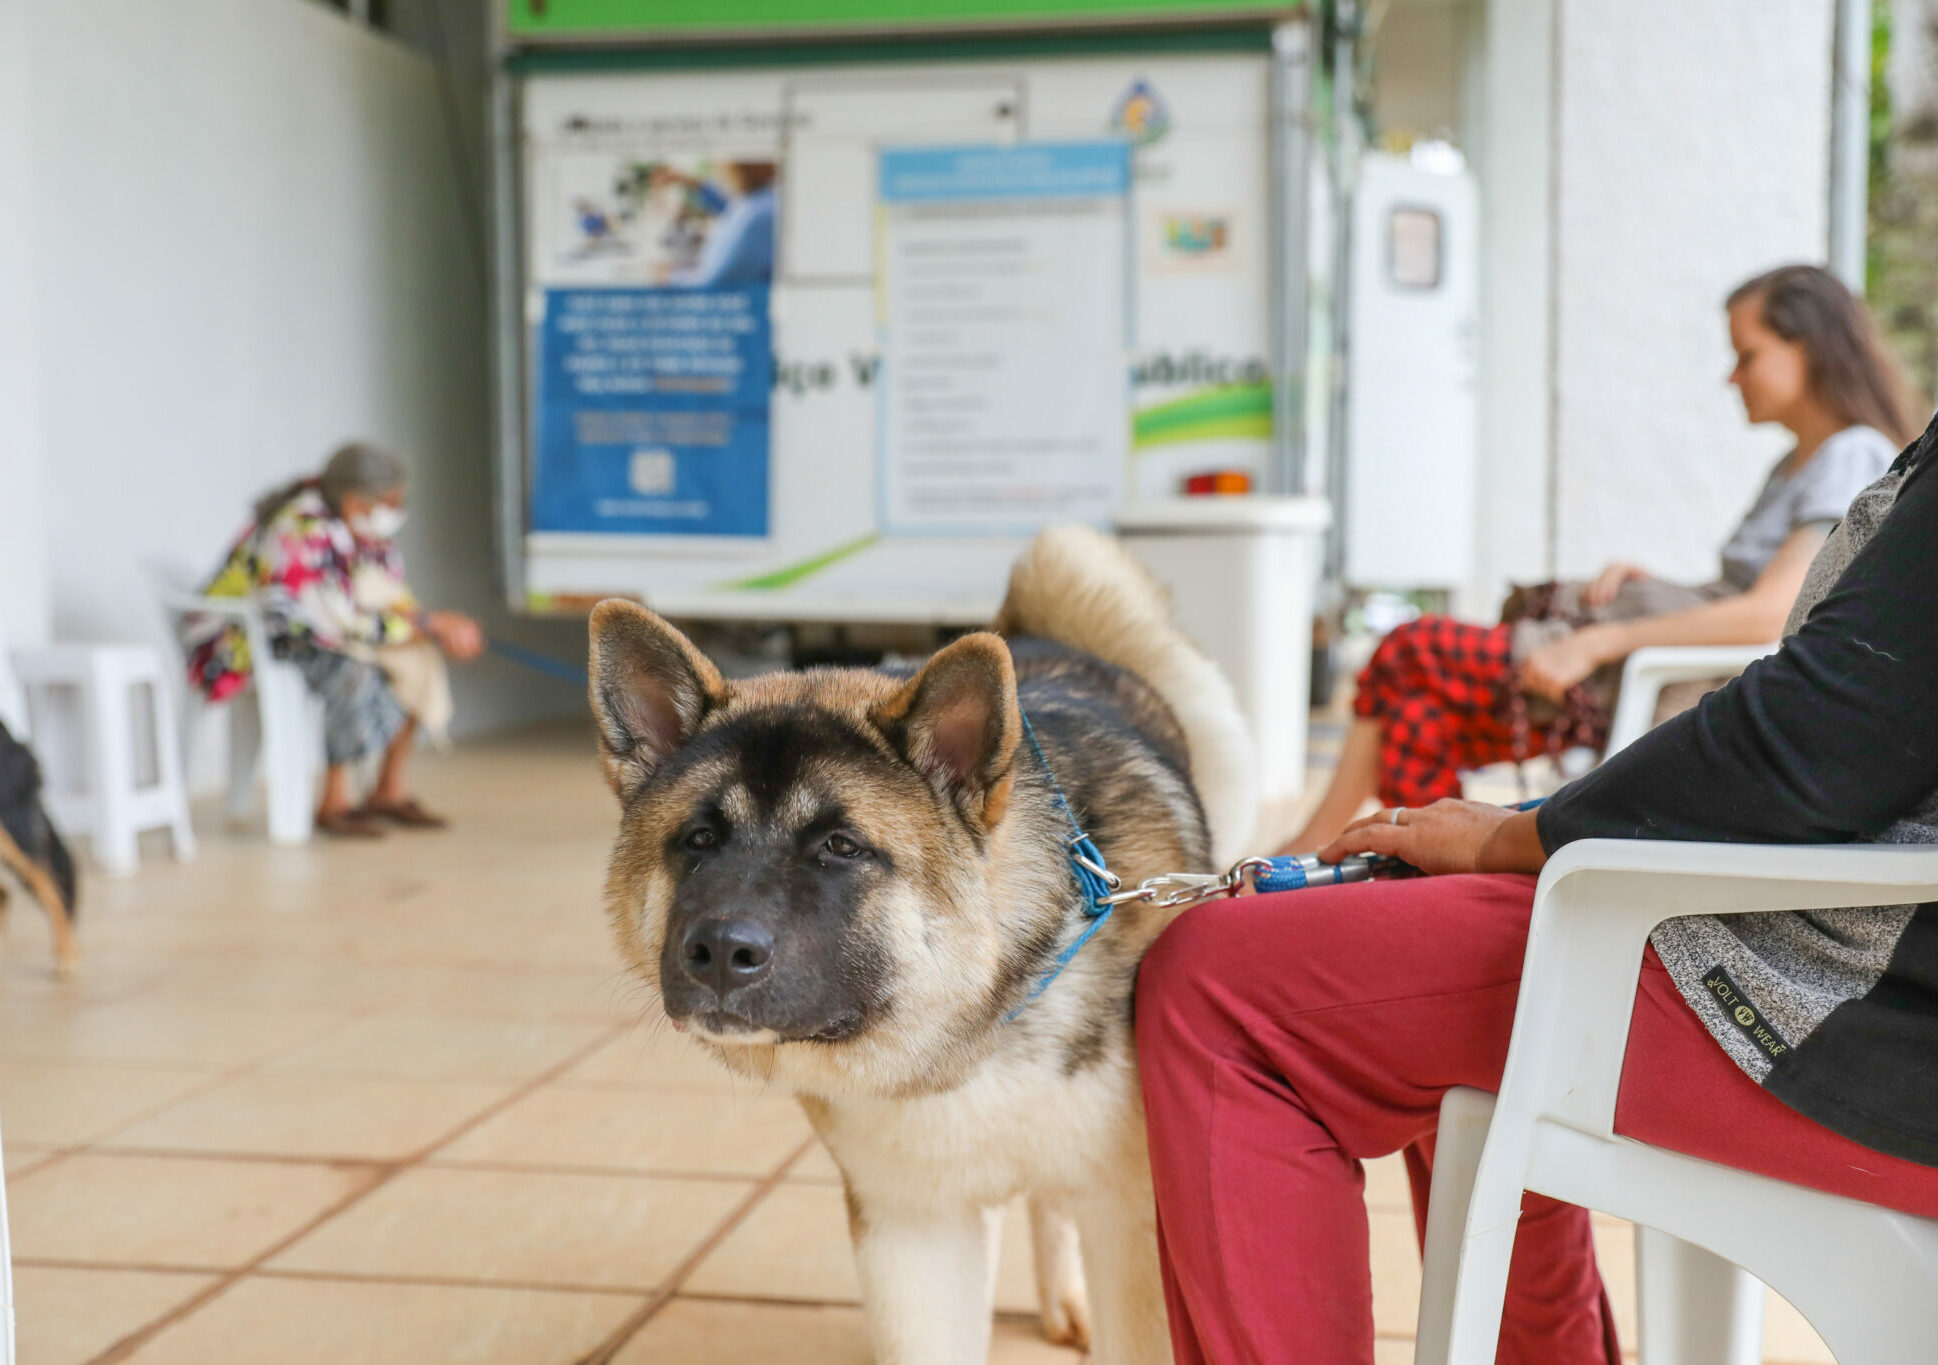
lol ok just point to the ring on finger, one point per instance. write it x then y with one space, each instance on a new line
1393 816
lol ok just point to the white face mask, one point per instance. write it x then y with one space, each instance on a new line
381 522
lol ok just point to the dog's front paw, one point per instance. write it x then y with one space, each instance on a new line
1066 1320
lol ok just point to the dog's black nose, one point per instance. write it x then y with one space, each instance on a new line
726 954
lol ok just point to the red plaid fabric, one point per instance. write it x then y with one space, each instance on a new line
1442 691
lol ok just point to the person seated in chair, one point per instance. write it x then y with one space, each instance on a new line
1285 1039
1440 695
320 557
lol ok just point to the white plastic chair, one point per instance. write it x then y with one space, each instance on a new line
1865 1277
283 728
1650 670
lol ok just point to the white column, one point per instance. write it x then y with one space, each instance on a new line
1692 151
1511 109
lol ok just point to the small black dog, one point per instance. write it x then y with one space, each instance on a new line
32 850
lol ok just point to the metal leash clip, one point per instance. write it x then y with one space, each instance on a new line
1174 890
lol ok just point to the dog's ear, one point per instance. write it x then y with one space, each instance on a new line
650 690
958 721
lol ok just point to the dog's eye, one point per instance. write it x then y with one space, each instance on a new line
843 847
702 838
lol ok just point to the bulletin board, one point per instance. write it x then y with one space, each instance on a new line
716 341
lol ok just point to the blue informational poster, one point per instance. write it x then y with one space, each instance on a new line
651 414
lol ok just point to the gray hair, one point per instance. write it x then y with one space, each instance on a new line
357 467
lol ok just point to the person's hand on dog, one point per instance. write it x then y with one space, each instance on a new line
1448 836
1609 582
1558 665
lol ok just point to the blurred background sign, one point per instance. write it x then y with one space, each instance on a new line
575 19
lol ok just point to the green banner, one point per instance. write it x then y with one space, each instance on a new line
674 18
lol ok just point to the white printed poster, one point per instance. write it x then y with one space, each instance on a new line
1005 368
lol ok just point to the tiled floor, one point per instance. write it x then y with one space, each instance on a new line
389 1104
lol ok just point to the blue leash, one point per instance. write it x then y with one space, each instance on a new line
1096 881
538 663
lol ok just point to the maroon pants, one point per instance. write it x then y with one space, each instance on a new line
1284 1039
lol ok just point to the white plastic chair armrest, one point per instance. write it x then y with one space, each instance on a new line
1678 662
241 610
1597 903
1650 669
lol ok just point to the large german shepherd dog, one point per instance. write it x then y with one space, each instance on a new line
31 849
851 883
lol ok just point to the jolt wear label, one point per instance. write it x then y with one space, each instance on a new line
1746 1016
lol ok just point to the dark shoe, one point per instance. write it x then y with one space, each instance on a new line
349 824
406 813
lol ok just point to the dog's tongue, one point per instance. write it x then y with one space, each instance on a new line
678 1026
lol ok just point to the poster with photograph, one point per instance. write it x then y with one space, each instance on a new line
653 384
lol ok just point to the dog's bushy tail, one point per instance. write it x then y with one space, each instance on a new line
1081 588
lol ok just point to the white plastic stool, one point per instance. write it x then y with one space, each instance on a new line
111 806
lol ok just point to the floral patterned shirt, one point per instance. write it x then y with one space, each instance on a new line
319 587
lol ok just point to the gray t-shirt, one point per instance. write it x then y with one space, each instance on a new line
1844 466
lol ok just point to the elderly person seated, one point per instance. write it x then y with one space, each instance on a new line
320 557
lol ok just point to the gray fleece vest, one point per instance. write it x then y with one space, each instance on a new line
1763 984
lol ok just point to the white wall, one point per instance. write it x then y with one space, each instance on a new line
24 588
1692 151
250 247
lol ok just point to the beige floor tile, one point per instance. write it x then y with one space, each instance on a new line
598 995
1615 1257
1396 1273
521 1227
564 1127
168 1032
21 1156
816 1168
416 1046
65 1103
333 1322
1788 1339
27 967
649 1058
794 1245
1393 1351
279 982
707 1332
67 1316
339 1117
169 1211
1386 1185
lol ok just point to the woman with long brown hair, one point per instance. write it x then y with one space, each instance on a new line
1441 695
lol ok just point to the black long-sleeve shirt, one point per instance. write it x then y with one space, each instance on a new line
1832 739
